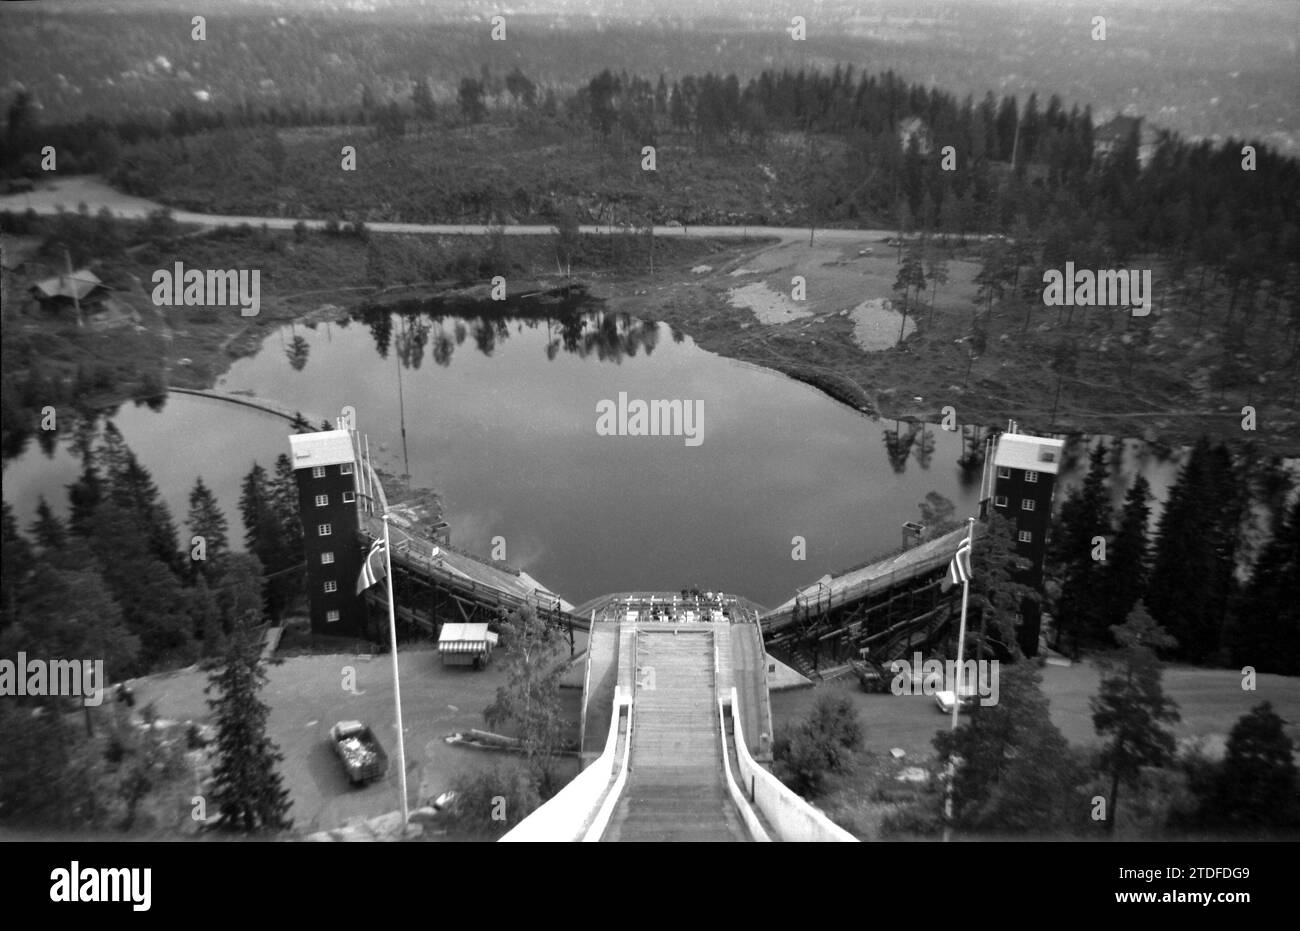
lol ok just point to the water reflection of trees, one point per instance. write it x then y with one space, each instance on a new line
605 336
297 352
917 440
898 445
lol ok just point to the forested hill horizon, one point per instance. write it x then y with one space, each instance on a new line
850 147
1206 70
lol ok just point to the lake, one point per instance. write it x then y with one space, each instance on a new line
501 419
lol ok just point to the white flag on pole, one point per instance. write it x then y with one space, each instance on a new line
959 569
372 570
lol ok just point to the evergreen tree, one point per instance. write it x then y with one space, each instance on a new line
206 520
1016 773
910 281
1085 514
936 270
264 533
206 612
470 98
47 530
112 452
1191 573
84 496
998 594
46 777
71 612
249 794
284 500
1258 789
422 97
16 561
154 605
1123 576
132 489
1265 631
238 588
993 278
1131 707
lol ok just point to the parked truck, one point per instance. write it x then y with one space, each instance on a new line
363 758
871 675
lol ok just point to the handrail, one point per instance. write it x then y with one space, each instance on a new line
790 815
449 578
866 587
586 685
743 808
601 822
764 739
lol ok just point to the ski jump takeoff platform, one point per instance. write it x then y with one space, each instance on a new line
676 728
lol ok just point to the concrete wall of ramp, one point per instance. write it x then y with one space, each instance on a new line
575 811
792 818
738 799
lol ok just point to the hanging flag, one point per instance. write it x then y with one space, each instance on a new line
959 568
372 570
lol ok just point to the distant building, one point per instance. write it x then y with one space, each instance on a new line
1109 138
62 293
913 127
325 466
1023 483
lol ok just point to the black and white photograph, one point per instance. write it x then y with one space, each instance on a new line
666 422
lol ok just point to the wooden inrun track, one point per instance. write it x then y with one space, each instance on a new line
676 788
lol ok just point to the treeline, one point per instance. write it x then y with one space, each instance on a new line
1195 573
115 581
426 326
1014 774
875 151
1011 159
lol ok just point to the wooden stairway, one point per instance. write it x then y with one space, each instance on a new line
675 789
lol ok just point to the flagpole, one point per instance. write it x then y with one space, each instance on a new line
956 695
397 686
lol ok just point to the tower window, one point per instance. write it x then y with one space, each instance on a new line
1026 504
324 530
999 501
322 500
327 557
331 586
1031 476
318 472
345 468
349 497
1004 472
1026 537
331 616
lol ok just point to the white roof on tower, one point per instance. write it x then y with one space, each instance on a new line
1031 453
328 447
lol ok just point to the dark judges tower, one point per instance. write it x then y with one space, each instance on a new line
325 465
